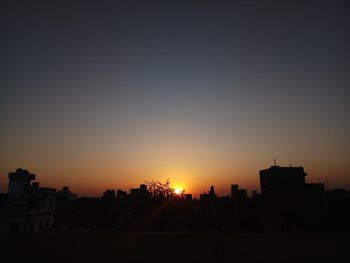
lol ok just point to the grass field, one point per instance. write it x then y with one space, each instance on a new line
112 246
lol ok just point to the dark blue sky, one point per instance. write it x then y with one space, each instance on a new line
200 91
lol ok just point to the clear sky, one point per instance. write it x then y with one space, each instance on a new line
108 94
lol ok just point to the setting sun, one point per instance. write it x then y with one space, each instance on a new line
178 190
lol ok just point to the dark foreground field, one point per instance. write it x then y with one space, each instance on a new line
112 246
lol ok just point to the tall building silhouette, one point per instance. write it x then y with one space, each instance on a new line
287 200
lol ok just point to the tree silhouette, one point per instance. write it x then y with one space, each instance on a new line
182 193
159 190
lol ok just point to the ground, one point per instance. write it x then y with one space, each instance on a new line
113 246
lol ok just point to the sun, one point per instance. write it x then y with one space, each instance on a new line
178 190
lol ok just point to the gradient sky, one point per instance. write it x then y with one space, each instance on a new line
108 94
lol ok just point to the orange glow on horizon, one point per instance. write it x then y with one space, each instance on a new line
178 190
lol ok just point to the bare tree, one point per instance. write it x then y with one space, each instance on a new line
159 190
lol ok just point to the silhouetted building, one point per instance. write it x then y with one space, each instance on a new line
282 179
109 194
66 194
315 204
19 181
26 207
208 196
289 203
237 193
188 196
121 195
140 193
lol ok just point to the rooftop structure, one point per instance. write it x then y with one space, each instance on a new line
26 206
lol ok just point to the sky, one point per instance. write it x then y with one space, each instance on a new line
110 94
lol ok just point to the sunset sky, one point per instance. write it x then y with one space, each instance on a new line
108 94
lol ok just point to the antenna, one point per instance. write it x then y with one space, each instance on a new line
274 161
327 186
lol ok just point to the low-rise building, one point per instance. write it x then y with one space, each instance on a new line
26 206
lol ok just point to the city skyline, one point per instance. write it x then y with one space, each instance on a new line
180 188
109 95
